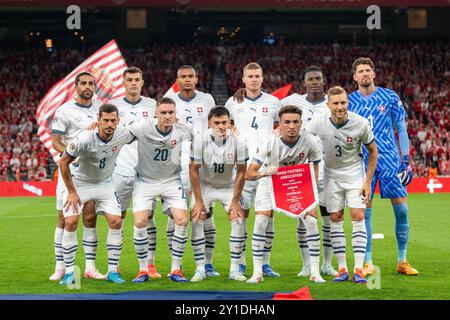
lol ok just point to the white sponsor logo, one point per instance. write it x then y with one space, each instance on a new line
32 189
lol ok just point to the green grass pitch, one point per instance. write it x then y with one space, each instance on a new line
27 260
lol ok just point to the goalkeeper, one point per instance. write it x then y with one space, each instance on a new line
384 110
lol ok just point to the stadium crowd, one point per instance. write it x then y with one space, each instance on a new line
416 71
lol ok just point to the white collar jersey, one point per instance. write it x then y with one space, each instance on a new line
72 118
254 118
130 112
218 158
159 152
309 109
96 157
194 112
279 153
342 144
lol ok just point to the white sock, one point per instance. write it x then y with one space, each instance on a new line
269 240
114 245
244 248
178 246
313 240
69 247
210 239
258 241
326 241
237 240
302 243
90 247
140 240
151 232
170 229
58 248
338 242
198 244
359 242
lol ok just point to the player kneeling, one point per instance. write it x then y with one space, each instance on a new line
287 149
342 134
217 173
96 151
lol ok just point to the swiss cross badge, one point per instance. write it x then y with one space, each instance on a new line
230 156
265 109
145 114
349 139
173 142
114 149
301 156
382 108
199 109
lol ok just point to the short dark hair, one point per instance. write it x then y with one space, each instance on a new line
218 111
362 60
84 73
186 66
165 100
132 70
290 109
310 69
107 108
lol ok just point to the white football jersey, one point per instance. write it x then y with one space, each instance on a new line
130 112
309 109
158 152
218 158
254 118
194 112
279 153
96 157
342 144
72 118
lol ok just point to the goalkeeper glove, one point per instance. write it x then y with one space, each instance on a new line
405 173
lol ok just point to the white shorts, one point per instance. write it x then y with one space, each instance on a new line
105 197
341 193
60 191
263 197
61 187
248 193
145 194
321 191
185 159
211 194
124 187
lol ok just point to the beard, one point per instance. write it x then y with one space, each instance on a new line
86 95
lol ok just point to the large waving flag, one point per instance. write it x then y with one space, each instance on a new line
106 65
172 90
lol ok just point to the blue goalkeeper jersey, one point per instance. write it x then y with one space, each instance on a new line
382 108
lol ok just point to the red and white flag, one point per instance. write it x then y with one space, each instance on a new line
106 65
282 92
172 90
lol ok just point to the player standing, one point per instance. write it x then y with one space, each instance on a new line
384 110
342 134
312 103
193 107
158 175
71 119
254 118
290 147
217 173
96 152
133 107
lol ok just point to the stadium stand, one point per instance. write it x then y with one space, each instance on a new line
416 71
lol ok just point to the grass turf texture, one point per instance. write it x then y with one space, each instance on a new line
27 259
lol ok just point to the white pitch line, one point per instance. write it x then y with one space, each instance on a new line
12 217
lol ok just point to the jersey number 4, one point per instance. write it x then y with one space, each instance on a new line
254 124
